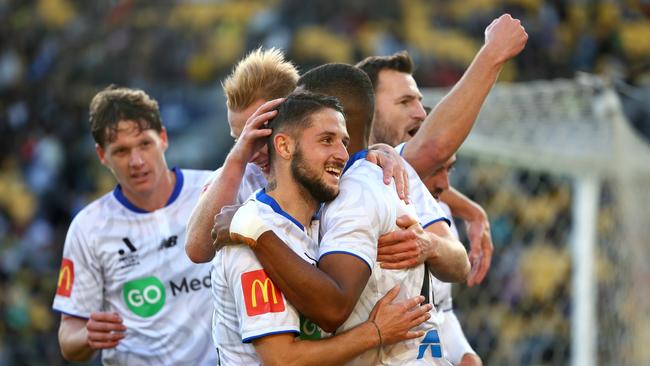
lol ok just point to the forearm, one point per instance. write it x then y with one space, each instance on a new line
330 351
299 281
461 206
449 123
73 341
449 263
221 192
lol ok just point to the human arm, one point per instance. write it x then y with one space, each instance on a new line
478 231
449 123
392 323
80 339
224 188
413 245
336 296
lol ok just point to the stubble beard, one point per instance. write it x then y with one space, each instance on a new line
309 179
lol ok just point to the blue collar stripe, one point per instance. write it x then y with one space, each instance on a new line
265 198
360 155
119 195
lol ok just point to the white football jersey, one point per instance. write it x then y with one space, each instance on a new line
119 258
365 209
247 304
252 181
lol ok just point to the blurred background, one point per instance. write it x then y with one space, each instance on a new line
56 54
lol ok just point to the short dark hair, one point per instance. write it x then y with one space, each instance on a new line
400 61
115 104
349 85
294 114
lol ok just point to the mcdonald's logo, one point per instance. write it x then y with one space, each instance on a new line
260 294
66 278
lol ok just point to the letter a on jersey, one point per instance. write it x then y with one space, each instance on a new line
260 294
66 278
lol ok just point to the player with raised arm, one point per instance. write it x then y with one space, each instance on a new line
125 286
432 138
253 322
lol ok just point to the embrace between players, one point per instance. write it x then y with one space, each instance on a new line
346 253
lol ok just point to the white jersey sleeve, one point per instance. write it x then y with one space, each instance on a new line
456 345
80 283
261 306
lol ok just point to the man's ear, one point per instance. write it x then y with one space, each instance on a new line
101 153
284 145
163 138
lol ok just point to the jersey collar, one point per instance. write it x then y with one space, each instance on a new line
356 156
120 197
265 198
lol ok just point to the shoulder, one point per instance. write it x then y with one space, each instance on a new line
94 216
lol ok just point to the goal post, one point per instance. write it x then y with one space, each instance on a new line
569 130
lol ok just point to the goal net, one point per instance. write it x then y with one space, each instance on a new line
566 183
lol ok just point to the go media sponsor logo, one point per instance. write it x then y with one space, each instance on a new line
260 294
145 296
66 278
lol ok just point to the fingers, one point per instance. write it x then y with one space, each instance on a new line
268 107
106 317
412 262
388 168
406 221
105 330
398 256
406 188
421 317
414 334
395 237
238 238
485 260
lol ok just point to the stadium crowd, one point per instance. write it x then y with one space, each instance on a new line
54 55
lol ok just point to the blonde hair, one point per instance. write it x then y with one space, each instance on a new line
260 75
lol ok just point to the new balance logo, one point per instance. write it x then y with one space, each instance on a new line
168 243
431 342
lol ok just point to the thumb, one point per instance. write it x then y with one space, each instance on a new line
406 221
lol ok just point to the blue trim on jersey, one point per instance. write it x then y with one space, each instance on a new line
121 198
348 253
436 220
356 156
448 310
400 148
177 188
265 198
250 339
70 314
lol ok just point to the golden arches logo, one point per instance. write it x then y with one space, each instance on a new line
66 278
264 287
269 301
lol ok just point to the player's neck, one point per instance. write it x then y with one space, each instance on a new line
293 199
158 197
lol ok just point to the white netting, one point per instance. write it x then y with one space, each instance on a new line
532 146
